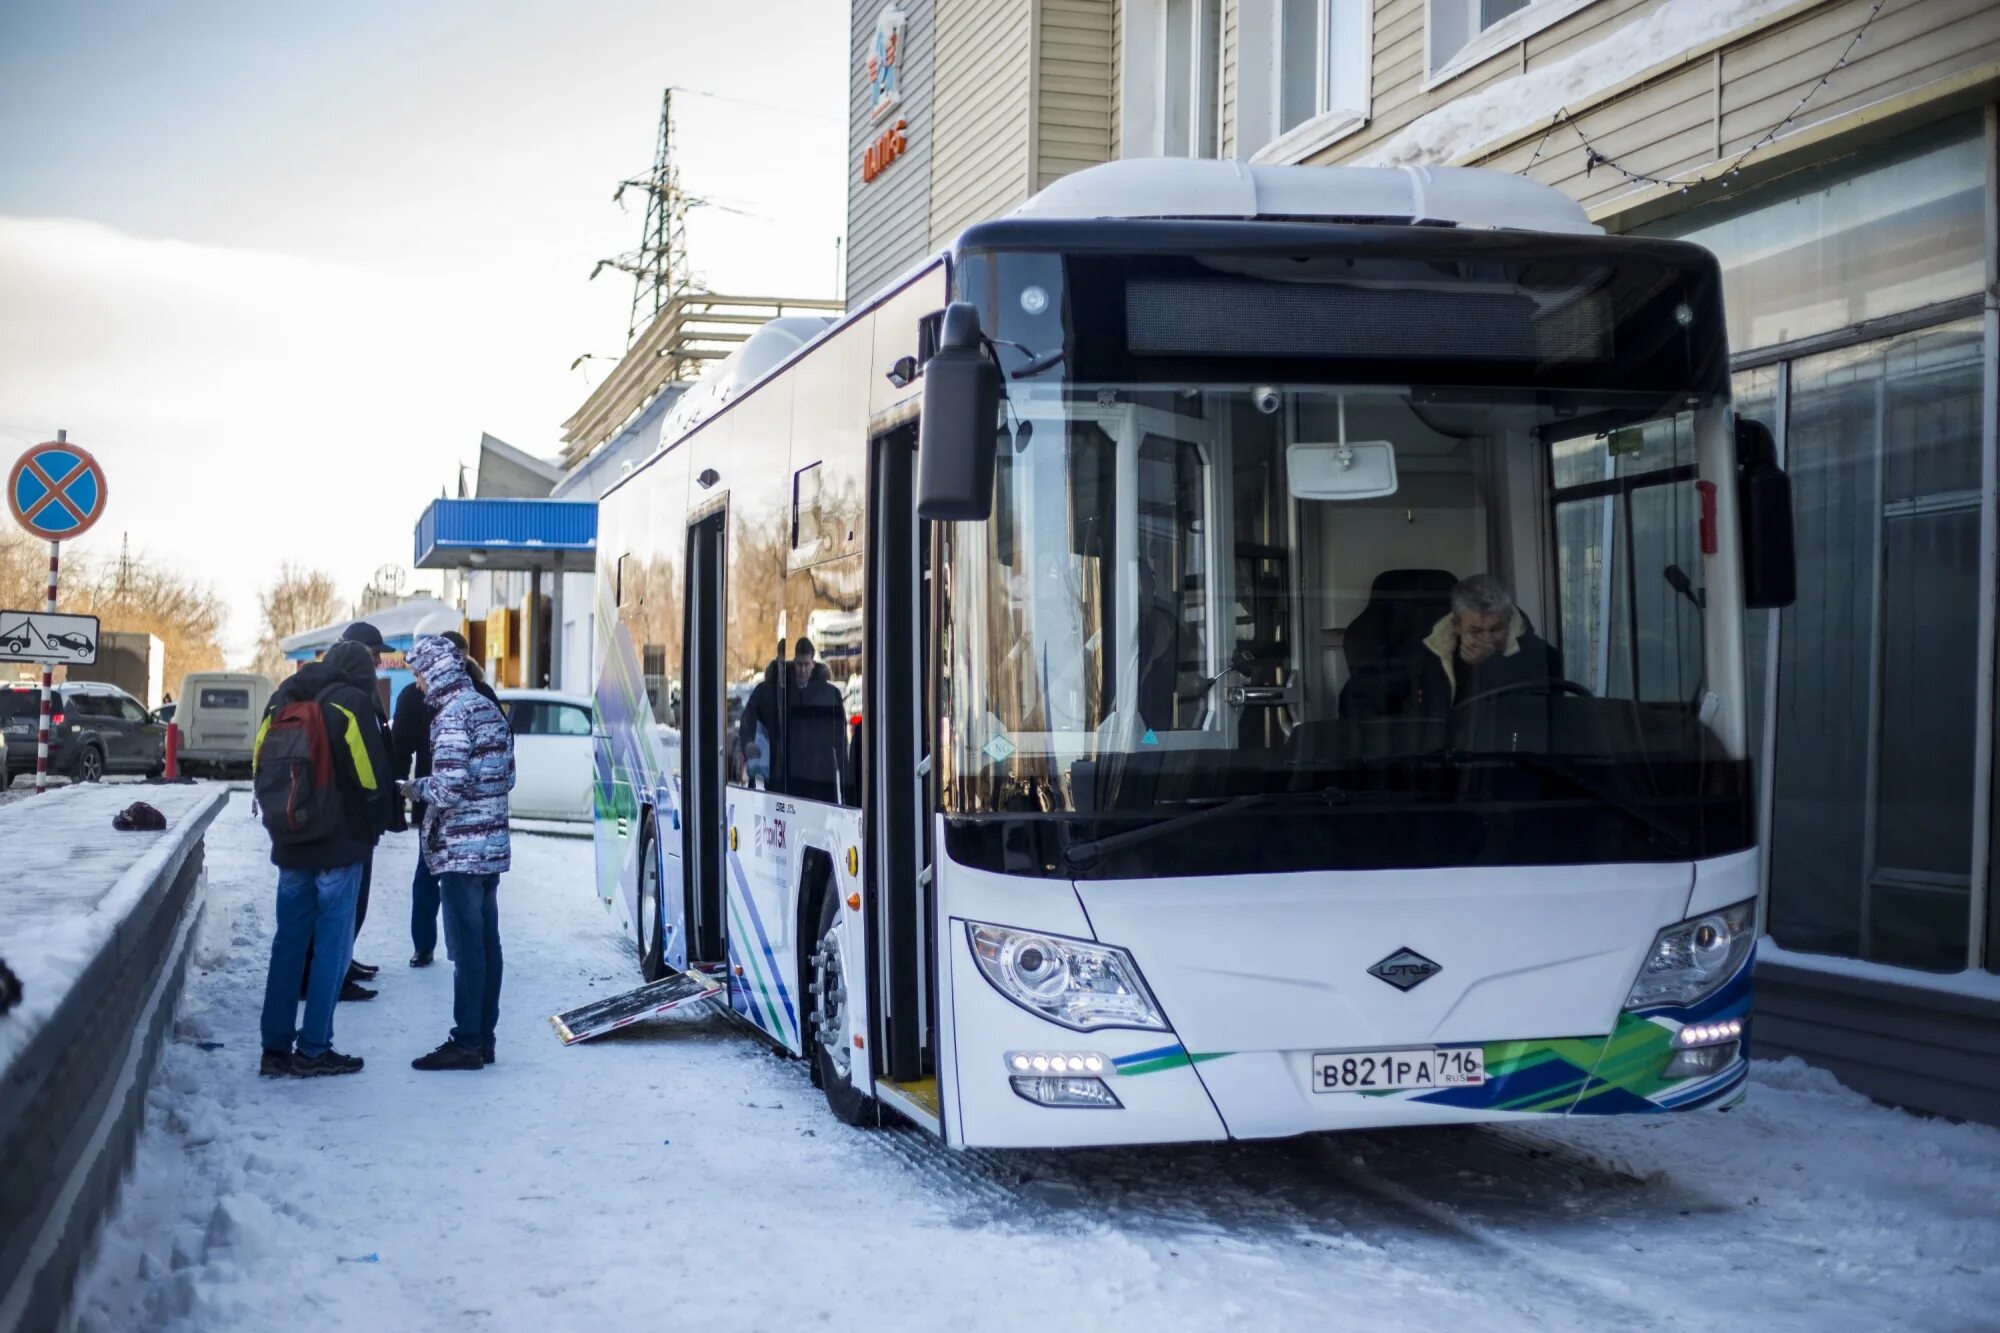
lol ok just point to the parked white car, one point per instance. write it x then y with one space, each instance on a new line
552 753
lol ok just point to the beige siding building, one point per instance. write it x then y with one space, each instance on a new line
997 99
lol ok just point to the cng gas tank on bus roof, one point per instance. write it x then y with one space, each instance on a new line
1282 962
1193 188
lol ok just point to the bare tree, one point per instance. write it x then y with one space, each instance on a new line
301 599
132 594
24 570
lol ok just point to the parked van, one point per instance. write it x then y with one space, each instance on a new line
218 712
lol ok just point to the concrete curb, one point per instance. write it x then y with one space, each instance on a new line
75 1096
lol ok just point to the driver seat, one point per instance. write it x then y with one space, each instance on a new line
1403 605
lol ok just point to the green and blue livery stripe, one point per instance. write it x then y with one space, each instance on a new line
1161 1058
749 906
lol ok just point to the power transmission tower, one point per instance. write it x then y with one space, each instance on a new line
659 266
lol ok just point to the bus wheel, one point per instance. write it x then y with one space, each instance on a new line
652 929
833 1049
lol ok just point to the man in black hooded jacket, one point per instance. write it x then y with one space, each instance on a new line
353 672
319 880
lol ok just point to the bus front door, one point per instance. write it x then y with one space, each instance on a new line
705 740
900 928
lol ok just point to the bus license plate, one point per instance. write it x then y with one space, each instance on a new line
1398 1071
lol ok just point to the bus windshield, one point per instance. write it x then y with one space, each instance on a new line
1219 627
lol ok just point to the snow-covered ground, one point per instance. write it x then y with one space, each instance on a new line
679 1175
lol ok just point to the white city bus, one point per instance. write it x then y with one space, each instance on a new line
1138 786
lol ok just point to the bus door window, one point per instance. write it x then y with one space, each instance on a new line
1628 561
1173 568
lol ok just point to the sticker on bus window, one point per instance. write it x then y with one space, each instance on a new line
1631 440
999 749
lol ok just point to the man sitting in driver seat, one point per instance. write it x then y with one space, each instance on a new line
1483 646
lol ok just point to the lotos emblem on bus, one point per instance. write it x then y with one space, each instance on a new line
1405 968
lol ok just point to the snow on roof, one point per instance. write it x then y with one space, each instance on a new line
1172 187
393 621
1504 106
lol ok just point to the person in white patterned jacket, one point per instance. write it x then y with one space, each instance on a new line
464 842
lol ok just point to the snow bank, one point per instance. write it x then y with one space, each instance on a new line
72 879
1509 105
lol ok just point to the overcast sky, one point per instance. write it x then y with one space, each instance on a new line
279 265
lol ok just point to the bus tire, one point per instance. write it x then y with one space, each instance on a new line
829 1046
651 925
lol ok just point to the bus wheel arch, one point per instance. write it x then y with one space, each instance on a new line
828 1009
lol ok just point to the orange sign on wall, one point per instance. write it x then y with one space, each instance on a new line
886 149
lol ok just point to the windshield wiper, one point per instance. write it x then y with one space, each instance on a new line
1092 850
1542 767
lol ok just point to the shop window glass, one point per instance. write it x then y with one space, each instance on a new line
1872 235
1872 830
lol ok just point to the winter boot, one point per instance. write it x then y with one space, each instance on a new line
450 1055
361 971
354 990
276 1064
328 1061
486 1055
421 958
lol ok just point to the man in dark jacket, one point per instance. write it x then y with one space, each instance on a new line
363 679
368 637
319 881
815 729
410 748
1484 645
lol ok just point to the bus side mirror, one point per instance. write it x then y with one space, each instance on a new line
1764 510
957 437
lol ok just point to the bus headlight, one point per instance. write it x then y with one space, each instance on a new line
1688 962
1079 985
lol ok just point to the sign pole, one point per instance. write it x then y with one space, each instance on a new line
48 668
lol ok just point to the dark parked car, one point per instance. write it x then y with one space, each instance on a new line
94 729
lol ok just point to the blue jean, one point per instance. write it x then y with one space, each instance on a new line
315 907
472 933
424 908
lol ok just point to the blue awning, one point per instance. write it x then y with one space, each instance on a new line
508 534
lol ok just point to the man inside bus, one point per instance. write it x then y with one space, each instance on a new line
1482 646
816 729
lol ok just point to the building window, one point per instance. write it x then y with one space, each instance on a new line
1454 23
1323 54
1192 51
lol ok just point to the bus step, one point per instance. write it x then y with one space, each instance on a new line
924 1091
655 997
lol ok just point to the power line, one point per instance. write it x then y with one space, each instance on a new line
761 106
1594 158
